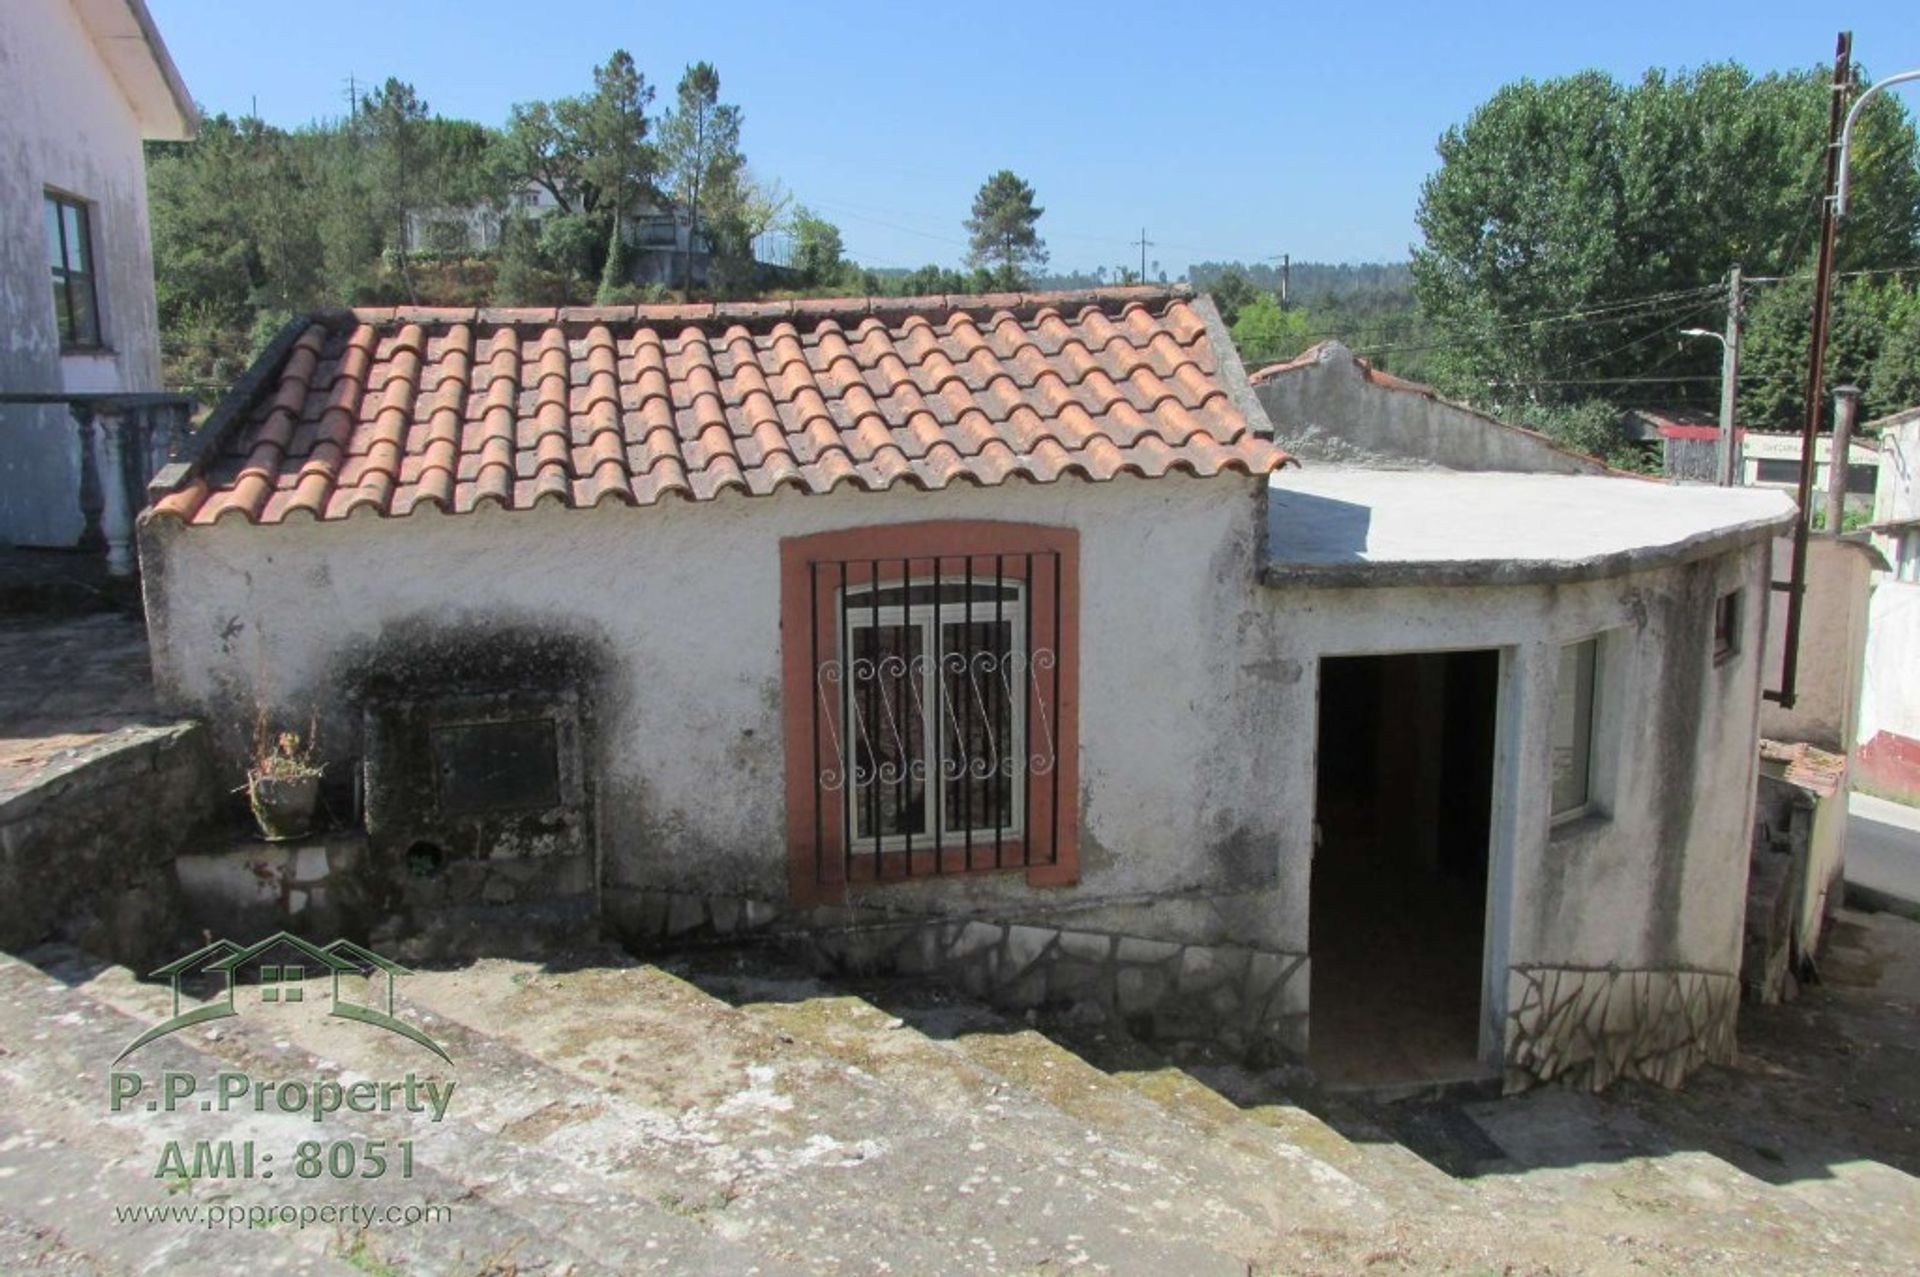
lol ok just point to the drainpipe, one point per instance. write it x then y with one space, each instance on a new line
1846 406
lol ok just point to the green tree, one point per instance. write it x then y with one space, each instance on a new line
1894 382
390 126
615 157
1265 331
1003 230
700 139
1871 317
1231 292
818 254
1567 196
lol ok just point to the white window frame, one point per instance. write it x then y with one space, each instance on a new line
1587 803
855 616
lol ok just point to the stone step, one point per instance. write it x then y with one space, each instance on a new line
818 1158
961 1055
504 1202
61 1180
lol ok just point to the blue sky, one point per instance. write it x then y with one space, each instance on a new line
1226 131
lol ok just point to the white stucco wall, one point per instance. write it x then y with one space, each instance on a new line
65 123
1655 878
1889 728
1176 770
1198 700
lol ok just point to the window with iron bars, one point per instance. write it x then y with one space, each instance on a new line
931 724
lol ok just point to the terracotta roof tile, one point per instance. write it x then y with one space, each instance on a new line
396 409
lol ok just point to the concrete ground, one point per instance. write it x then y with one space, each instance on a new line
1883 848
724 1113
70 687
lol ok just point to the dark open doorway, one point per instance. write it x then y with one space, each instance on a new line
1403 816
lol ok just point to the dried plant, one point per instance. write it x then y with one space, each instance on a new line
282 755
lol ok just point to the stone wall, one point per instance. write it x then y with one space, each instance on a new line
1249 1001
1590 1028
85 854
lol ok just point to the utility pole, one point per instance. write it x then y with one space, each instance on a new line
1286 277
1816 364
353 98
1730 385
1145 244
1846 407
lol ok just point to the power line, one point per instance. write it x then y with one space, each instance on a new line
1616 381
1640 310
1844 274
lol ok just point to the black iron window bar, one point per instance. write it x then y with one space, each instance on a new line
934 715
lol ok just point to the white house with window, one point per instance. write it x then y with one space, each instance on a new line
85 83
994 636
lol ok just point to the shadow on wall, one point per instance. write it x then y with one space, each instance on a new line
1305 528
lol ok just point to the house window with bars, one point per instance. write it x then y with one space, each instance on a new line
930 684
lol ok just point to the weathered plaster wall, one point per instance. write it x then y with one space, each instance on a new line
679 605
1888 759
1198 710
1330 410
1652 879
1833 639
65 123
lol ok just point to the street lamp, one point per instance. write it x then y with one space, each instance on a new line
1729 384
1846 135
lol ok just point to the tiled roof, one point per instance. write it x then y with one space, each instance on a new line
394 410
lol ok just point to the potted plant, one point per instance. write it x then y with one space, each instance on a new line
283 784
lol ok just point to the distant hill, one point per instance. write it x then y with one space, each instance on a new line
1309 281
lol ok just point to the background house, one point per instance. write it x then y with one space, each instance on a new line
659 238
1689 444
86 82
1888 757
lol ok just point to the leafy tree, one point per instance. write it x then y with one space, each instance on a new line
741 209
1002 231
1231 292
542 146
818 254
1894 381
1265 331
700 139
391 126
615 158
1560 197
1591 426
1871 319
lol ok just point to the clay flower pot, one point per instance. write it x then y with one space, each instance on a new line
283 805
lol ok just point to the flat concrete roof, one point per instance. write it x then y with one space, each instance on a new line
1344 526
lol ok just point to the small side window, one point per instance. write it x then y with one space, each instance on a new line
1726 626
1573 730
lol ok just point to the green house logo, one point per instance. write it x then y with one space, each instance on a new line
282 981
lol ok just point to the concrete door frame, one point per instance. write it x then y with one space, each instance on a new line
1504 837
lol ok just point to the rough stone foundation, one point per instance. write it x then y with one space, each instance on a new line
85 851
1590 1028
1250 1001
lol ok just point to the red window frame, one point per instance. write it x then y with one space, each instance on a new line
820 866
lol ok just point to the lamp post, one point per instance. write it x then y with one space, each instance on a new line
1846 135
1728 464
